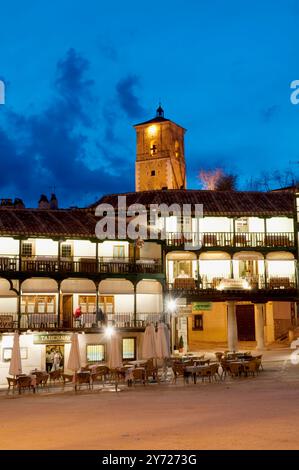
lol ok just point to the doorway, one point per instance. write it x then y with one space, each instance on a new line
54 357
245 322
67 311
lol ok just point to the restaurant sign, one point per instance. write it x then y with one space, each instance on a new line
51 338
199 306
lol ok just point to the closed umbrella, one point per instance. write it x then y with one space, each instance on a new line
149 348
114 354
162 342
15 367
74 361
114 357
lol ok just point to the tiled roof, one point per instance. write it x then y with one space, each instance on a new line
81 222
44 222
155 119
215 203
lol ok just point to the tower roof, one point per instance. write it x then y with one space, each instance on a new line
158 118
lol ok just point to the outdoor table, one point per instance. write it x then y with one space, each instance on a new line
137 363
192 370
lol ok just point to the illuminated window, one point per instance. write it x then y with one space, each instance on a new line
197 322
153 147
129 348
177 148
66 250
118 251
27 249
95 352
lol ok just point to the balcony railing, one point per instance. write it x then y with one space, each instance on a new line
228 239
81 265
48 321
226 284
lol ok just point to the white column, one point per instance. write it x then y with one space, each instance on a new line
232 331
259 325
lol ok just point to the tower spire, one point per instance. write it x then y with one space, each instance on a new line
160 111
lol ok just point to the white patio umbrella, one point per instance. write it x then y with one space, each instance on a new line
74 361
162 342
149 347
15 367
114 356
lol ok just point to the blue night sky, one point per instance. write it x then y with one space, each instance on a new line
79 74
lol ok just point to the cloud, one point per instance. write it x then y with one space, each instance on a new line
127 99
58 146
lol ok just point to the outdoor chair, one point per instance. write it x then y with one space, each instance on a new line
235 369
250 368
139 375
179 369
55 375
151 371
259 361
12 384
24 382
100 374
219 355
67 378
82 378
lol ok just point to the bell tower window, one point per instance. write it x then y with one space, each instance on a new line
153 148
177 148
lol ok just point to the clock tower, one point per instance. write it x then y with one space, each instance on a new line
160 159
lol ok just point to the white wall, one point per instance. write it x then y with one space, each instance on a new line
124 303
256 224
9 246
280 224
214 268
281 268
149 303
8 304
84 248
150 251
215 224
106 248
46 247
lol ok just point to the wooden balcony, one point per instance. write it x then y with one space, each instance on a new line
228 239
50 265
219 288
50 322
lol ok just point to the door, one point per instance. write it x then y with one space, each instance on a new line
245 322
67 311
54 357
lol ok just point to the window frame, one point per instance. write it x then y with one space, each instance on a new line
97 360
200 328
135 348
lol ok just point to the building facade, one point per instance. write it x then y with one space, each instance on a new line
225 276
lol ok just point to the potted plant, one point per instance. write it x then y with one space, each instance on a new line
181 344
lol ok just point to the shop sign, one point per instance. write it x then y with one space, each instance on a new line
51 338
199 306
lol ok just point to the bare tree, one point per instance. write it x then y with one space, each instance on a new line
217 180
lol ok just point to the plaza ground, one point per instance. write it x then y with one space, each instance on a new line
245 413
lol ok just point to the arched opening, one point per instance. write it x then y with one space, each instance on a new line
149 301
249 266
181 267
281 268
39 303
214 266
8 305
78 293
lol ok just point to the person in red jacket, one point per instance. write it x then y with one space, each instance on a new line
78 316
